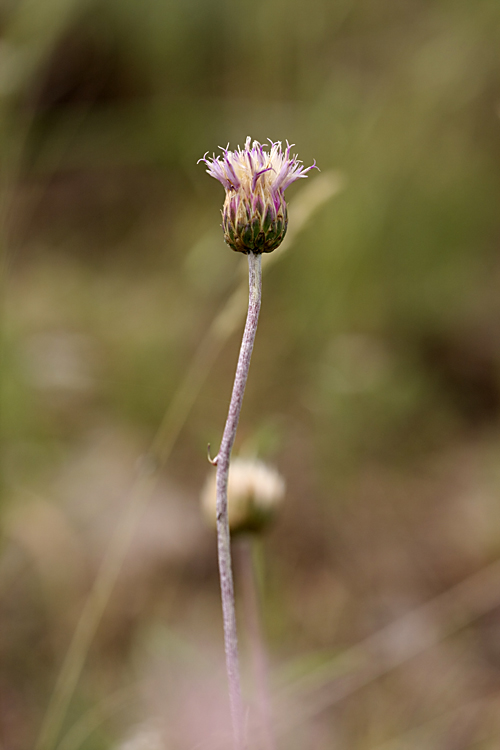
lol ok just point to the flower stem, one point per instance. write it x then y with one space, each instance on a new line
246 564
223 536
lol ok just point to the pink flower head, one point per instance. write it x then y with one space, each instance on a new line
254 216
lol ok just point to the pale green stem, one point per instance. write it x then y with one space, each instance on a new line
223 536
245 550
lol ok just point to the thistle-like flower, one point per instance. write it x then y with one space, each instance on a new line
254 216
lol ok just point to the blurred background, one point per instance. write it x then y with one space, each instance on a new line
374 388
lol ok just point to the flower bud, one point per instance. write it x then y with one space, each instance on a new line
254 216
254 493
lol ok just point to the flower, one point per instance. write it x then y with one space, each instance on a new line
254 216
254 493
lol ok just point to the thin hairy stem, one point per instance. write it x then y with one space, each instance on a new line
223 536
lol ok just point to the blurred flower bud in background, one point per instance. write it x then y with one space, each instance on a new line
255 492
